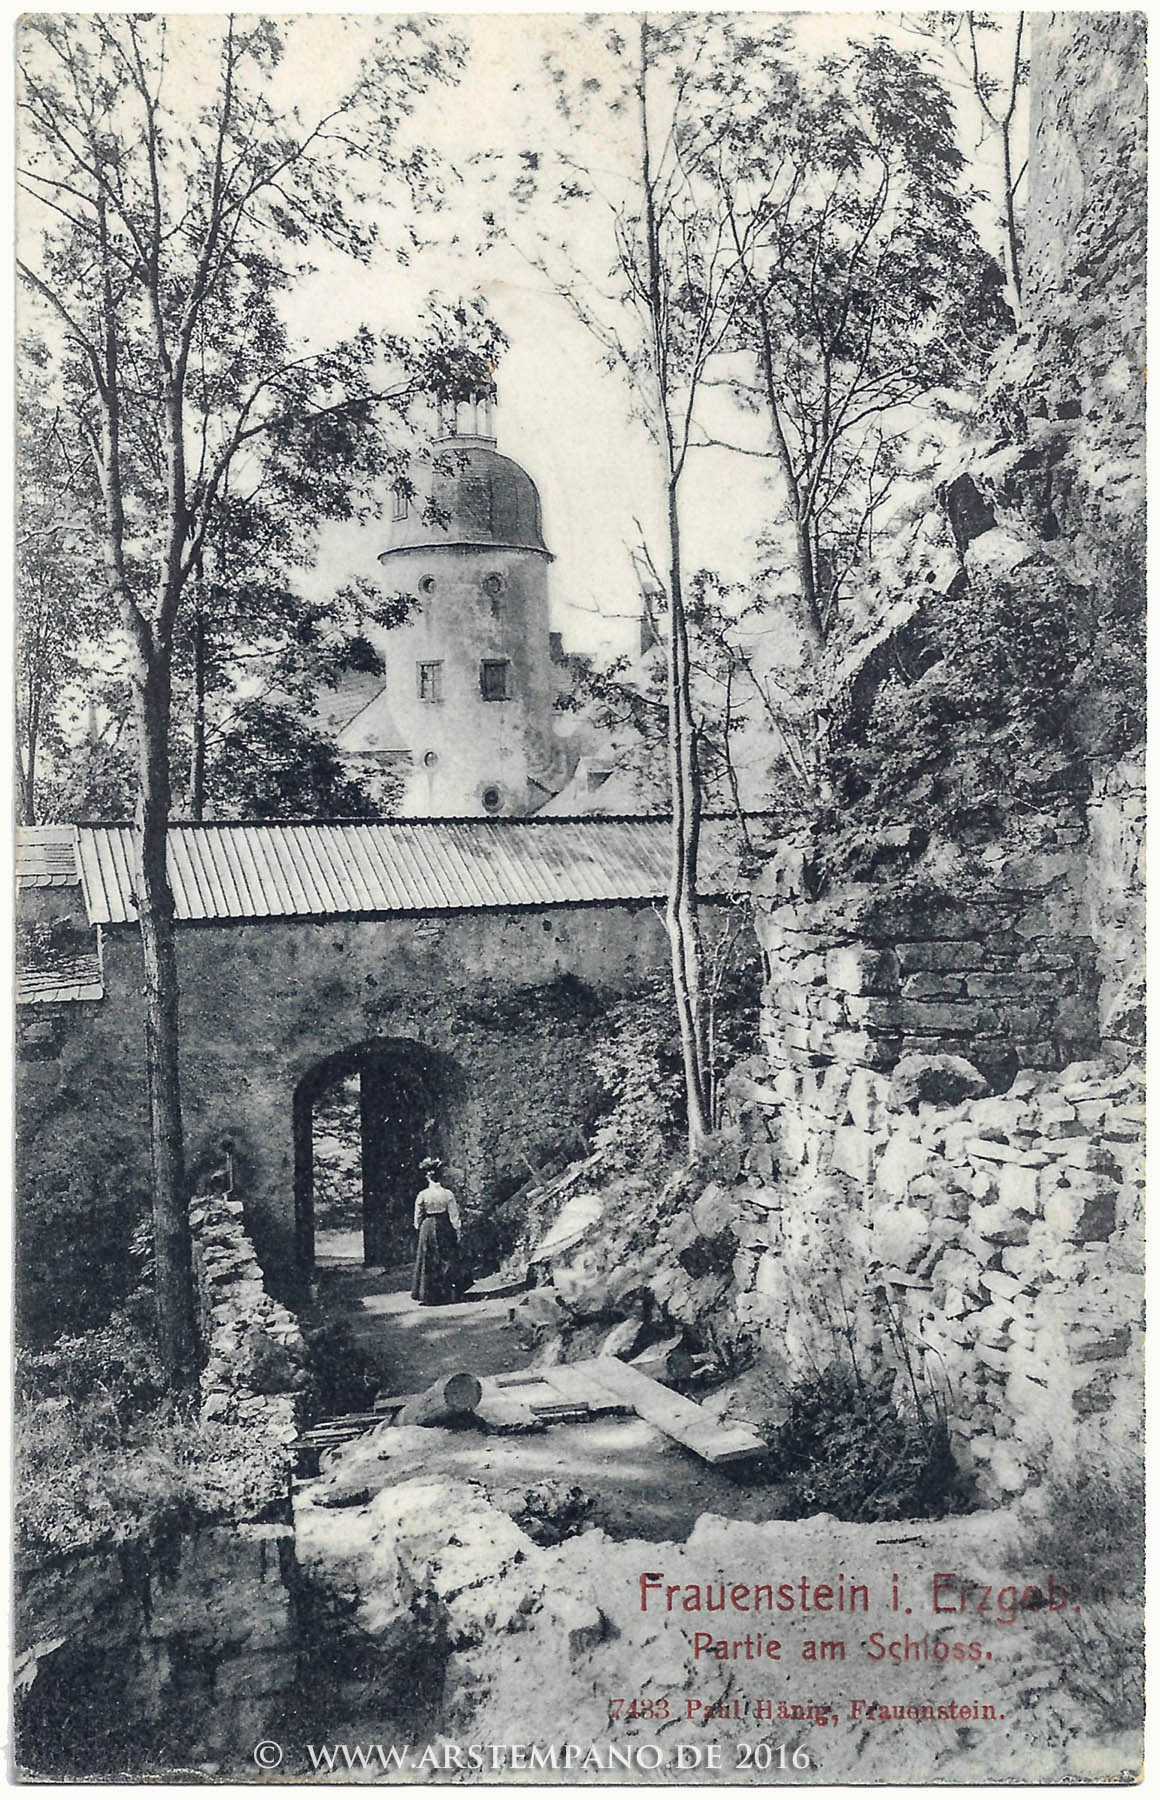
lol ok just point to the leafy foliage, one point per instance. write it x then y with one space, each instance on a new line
104 1459
845 1448
270 763
638 1057
59 590
83 1189
183 447
974 720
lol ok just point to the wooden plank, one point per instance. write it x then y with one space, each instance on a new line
499 1287
580 1383
679 1418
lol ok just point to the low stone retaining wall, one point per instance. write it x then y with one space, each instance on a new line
255 1371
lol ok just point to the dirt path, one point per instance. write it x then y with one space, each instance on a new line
641 1482
410 1345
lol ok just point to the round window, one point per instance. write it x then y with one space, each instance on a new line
492 799
427 584
430 759
493 585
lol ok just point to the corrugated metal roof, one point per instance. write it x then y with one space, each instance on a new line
244 871
46 856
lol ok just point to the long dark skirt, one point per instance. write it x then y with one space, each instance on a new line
435 1261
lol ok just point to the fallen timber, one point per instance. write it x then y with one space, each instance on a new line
565 1393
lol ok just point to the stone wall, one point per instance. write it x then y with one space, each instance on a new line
940 1149
1115 895
255 1368
941 1146
1001 1233
514 999
1001 970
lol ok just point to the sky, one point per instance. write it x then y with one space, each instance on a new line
561 415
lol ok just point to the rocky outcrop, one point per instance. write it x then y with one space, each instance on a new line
1085 275
489 1639
186 1655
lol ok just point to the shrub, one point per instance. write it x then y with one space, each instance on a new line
346 1378
104 1456
638 1057
82 1186
846 1448
1090 1536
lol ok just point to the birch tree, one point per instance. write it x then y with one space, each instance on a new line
866 293
661 311
168 201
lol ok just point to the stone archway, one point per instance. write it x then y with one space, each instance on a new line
412 1103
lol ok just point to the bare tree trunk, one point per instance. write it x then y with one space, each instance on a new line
1012 229
197 749
681 920
803 544
681 912
26 762
152 646
171 1238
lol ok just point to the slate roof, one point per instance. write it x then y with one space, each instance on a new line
46 856
391 866
49 978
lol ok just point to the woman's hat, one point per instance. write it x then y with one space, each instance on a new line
431 1165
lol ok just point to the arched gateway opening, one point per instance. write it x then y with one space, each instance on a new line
364 1119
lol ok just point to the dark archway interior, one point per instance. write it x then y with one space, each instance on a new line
408 1103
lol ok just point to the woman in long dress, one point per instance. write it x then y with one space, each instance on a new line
437 1222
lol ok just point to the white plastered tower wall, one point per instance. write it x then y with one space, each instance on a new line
465 713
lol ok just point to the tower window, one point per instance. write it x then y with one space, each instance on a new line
493 586
426 584
430 680
495 680
402 504
491 799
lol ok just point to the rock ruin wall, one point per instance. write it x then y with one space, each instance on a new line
942 1141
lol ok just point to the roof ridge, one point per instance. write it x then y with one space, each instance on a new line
364 820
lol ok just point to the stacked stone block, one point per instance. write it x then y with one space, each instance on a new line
255 1360
1002 1233
863 976
1115 894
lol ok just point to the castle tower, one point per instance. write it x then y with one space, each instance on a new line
467 704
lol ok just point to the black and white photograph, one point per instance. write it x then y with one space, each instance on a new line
578 708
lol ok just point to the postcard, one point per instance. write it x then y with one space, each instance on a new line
579 722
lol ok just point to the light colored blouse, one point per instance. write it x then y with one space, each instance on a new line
436 1199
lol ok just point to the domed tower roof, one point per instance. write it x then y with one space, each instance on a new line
483 497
